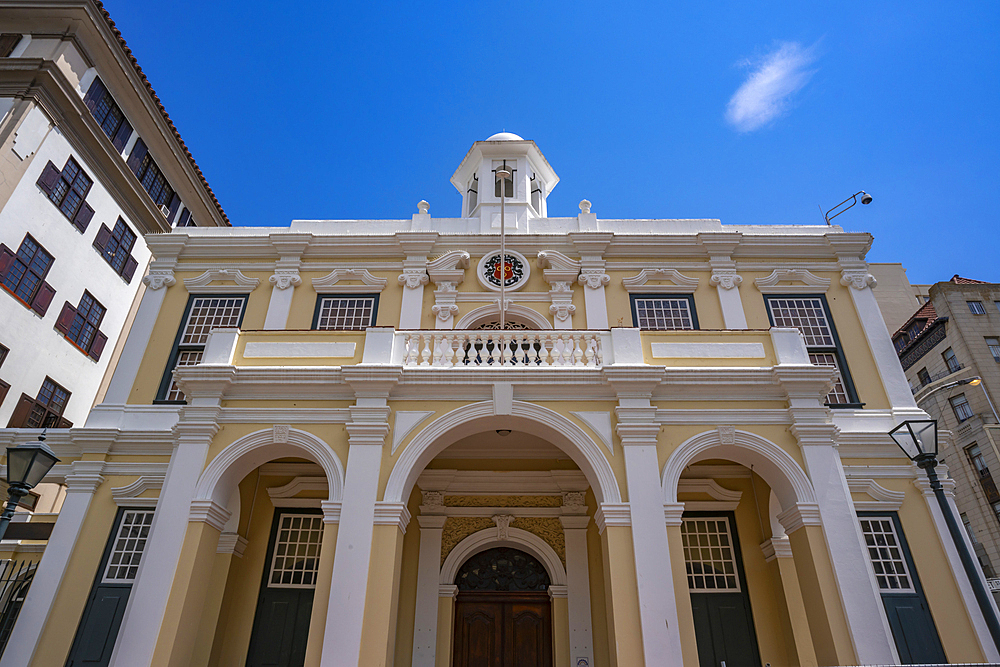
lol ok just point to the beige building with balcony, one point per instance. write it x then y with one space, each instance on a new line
320 448
952 339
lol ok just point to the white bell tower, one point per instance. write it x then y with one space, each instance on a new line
531 181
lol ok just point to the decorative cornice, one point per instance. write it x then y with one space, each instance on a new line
884 499
370 283
798 515
779 279
331 510
159 278
673 513
297 485
557 267
128 496
449 267
85 476
205 282
285 278
639 283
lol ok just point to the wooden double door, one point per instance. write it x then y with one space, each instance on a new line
503 629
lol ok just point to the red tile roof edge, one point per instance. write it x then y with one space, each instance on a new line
925 311
959 280
159 104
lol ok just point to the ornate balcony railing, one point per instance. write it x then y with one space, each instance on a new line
492 348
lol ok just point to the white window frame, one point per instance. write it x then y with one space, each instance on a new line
123 526
901 560
274 556
719 557
321 300
976 307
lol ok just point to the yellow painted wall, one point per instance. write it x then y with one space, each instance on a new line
621 589
378 631
300 315
406 613
706 298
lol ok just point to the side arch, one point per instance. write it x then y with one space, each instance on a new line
478 417
517 539
786 478
477 316
237 460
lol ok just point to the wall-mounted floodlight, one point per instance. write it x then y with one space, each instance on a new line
865 199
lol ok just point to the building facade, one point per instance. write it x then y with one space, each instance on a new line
90 164
950 351
319 447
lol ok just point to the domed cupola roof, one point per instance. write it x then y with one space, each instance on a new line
505 136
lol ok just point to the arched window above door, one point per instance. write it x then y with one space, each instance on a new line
502 569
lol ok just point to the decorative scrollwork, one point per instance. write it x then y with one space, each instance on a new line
502 569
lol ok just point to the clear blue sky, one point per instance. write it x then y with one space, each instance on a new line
754 113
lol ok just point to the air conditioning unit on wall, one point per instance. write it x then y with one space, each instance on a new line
165 210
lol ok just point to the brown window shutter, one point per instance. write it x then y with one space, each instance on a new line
97 346
65 319
21 411
129 269
122 136
48 178
6 258
64 423
40 304
83 217
4 388
102 238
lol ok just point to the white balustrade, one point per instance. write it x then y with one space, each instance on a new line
492 348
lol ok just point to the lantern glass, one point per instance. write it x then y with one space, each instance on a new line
29 463
917 437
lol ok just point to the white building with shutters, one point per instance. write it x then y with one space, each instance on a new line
90 163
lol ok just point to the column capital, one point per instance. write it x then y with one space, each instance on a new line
372 380
612 514
594 278
815 434
558 591
778 546
798 515
232 543
159 278
392 514
857 278
331 510
447 591
210 512
85 476
574 521
726 279
413 277
285 278
672 513
633 381
431 521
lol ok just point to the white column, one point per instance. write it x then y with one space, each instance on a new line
345 615
594 299
581 642
138 336
284 281
148 600
886 360
428 575
728 284
415 246
955 562
591 246
661 639
869 627
81 484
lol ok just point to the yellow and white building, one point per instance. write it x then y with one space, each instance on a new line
319 448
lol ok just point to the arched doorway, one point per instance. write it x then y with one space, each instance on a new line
503 615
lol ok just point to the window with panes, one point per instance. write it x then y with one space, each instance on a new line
345 312
129 545
115 246
975 456
295 560
203 315
154 182
811 316
49 405
23 273
976 307
81 325
951 361
709 555
923 376
664 312
960 405
885 553
994 344
71 189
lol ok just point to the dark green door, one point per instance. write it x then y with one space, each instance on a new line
102 617
723 622
281 622
910 620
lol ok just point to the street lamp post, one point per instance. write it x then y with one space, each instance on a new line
918 440
27 465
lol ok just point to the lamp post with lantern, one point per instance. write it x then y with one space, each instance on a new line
918 440
27 465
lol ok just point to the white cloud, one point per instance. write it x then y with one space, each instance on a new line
765 94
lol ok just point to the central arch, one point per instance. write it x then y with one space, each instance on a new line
517 539
528 417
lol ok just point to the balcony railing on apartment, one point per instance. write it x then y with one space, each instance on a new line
934 378
491 348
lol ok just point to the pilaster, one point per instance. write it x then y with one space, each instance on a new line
415 247
425 623
561 273
720 247
81 485
591 246
447 272
581 642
